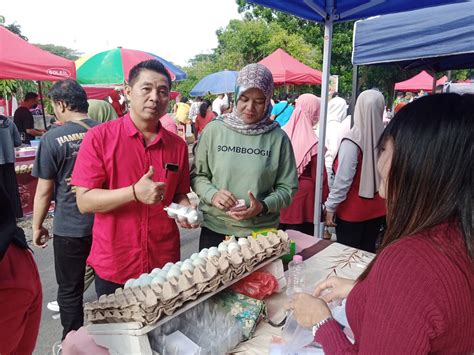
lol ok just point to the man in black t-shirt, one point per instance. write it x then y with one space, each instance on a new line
72 230
24 119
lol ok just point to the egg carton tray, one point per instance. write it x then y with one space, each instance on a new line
136 309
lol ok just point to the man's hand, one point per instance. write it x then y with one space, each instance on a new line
148 191
329 219
40 237
224 200
254 209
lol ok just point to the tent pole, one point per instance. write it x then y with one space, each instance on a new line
318 193
355 86
433 90
42 103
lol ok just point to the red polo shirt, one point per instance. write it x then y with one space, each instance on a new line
134 238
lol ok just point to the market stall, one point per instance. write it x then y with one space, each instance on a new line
323 259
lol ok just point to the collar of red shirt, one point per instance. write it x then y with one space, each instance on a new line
132 130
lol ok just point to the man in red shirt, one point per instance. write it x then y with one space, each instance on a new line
127 170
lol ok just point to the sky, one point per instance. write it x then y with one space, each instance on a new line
176 30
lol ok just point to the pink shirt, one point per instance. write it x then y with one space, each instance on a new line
168 123
134 238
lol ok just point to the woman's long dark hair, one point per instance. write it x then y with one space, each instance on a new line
203 109
431 175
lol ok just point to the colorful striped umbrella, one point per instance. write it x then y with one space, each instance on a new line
113 66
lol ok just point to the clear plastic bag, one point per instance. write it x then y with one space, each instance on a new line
295 336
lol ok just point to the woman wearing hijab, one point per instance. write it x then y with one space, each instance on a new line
354 197
416 296
101 111
300 214
244 155
337 112
20 286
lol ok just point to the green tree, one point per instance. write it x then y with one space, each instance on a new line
61 51
16 29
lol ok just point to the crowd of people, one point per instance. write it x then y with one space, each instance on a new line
404 192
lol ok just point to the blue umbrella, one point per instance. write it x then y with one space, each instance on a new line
330 12
221 82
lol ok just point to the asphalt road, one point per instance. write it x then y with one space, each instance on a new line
50 328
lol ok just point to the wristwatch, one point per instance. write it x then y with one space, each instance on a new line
264 209
319 324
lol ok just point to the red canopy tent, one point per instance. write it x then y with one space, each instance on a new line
421 81
22 60
287 70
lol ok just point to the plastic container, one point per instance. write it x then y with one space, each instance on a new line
296 276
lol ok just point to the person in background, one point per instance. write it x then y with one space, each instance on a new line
72 230
337 112
126 172
244 155
193 112
205 116
9 139
168 123
20 286
282 111
300 214
182 114
354 206
120 108
24 120
101 111
217 104
416 296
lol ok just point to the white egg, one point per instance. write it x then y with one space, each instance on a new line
188 267
145 280
173 273
222 247
179 263
194 256
158 280
167 266
233 247
213 248
136 283
188 262
193 216
243 241
203 253
213 252
143 275
129 283
156 270
199 261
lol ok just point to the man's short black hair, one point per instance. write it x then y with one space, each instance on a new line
30 96
71 94
153 65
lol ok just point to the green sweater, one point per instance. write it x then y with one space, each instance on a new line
263 164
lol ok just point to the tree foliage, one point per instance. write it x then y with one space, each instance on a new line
61 51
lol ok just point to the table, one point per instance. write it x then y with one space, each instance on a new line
323 259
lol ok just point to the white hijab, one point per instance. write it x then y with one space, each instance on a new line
366 132
337 112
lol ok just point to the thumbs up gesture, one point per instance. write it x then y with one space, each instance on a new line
148 191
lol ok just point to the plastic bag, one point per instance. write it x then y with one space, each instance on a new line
295 336
258 284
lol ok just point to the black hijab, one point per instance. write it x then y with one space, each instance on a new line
9 232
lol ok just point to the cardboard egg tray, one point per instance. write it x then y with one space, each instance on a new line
147 304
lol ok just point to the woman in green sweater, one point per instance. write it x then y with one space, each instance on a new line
244 155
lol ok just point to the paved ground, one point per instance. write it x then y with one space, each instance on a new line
50 328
